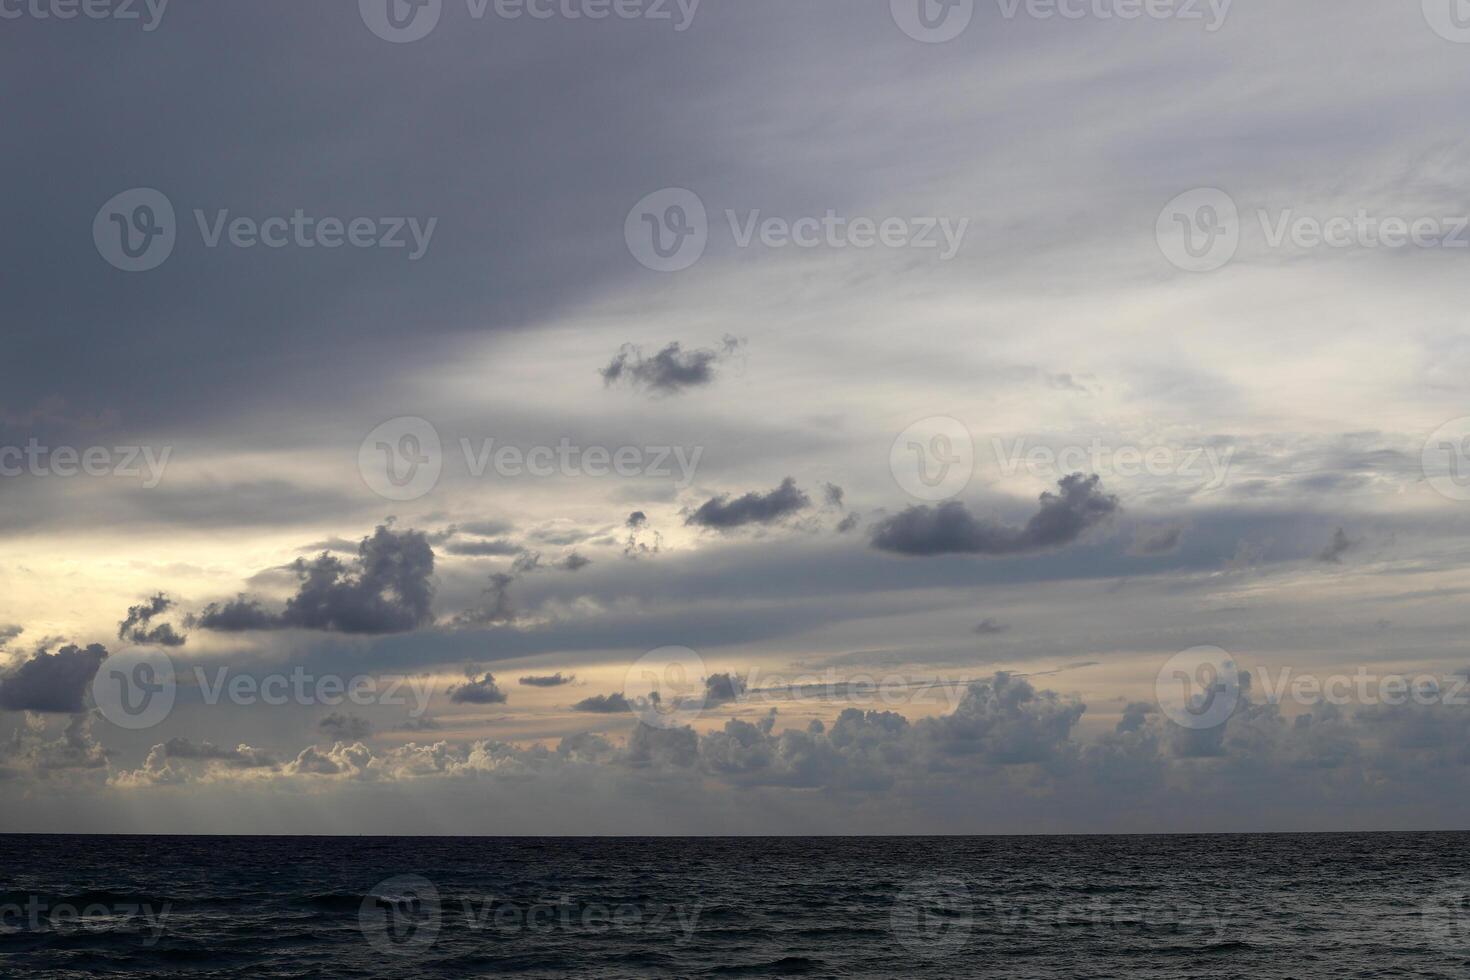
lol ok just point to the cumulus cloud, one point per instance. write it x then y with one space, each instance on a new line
671 370
483 690
135 628
52 682
723 513
548 680
604 704
950 528
388 588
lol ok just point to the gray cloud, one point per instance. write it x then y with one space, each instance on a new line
483 690
135 628
950 529
604 704
338 725
386 589
671 370
989 626
1156 540
1336 548
52 682
723 513
548 680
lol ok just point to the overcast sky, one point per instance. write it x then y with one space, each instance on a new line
721 417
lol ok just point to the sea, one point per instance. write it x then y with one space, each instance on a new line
1259 906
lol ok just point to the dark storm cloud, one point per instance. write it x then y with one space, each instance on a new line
723 513
722 689
52 682
832 494
636 520
604 704
135 628
989 626
549 680
386 589
950 528
482 690
1336 548
671 370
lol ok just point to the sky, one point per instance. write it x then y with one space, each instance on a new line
658 417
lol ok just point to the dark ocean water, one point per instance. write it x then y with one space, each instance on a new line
1264 906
